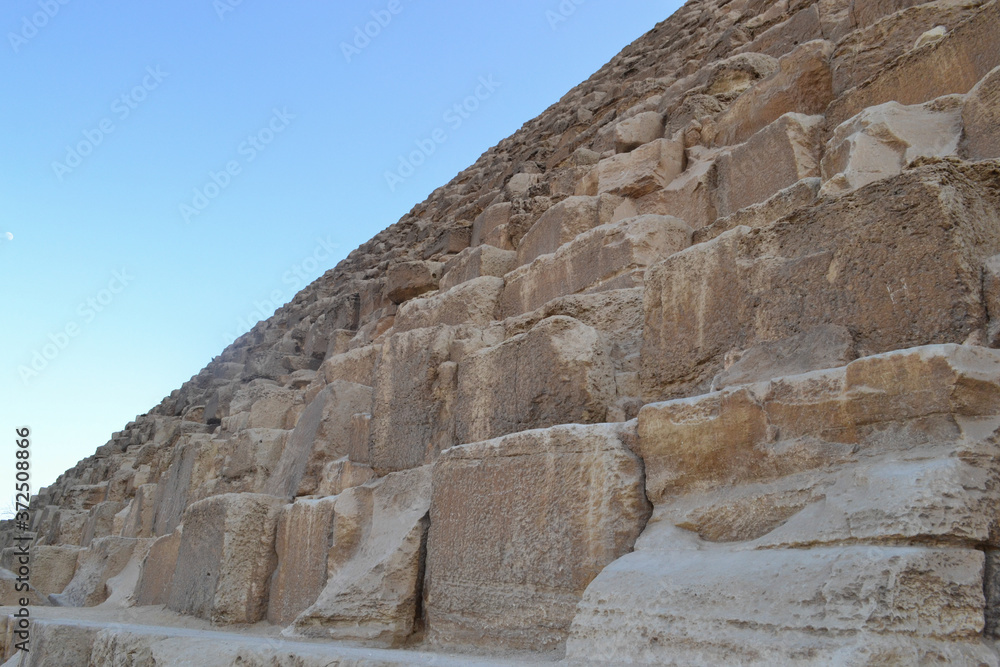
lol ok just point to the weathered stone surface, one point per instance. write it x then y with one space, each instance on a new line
322 434
981 118
303 539
357 365
637 130
226 558
105 558
648 168
773 159
880 141
803 84
52 567
780 204
472 263
489 221
913 276
499 392
564 222
520 526
474 302
410 279
611 256
953 64
375 563
153 586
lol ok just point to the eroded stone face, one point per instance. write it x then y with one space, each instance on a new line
520 525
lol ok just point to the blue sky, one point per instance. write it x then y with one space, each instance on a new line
173 171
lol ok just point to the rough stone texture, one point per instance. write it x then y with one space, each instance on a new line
981 119
815 509
520 526
226 558
803 84
52 567
611 256
375 563
647 168
914 279
500 392
773 159
880 141
302 543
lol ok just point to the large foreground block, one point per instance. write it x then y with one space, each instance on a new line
302 543
226 558
521 525
898 263
375 562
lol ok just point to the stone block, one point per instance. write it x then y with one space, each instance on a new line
981 117
303 539
406 280
638 130
648 168
564 222
521 525
472 263
476 302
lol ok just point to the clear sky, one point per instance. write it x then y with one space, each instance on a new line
172 171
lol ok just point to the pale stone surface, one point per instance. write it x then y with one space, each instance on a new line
375 562
500 392
476 301
564 222
520 526
138 520
153 586
52 567
321 435
105 558
611 256
880 141
637 130
898 287
780 204
648 168
472 263
357 365
773 159
303 539
226 558
981 118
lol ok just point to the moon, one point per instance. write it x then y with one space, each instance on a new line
10 237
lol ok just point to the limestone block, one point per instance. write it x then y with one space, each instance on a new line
102 560
473 302
611 256
953 64
489 221
84 496
784 607
773 159
406 280
782 203
101 520
521 525
357 365
564 222
269 404
827 346
472 263
375 563
803 84
141 512
981 117
303 540
412 412
52 567
638 130
226 558
801 27
880 141
899 263
343 474
153 586
321 435
499 393
648 168
67 527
